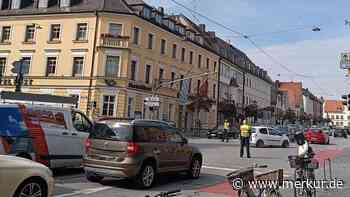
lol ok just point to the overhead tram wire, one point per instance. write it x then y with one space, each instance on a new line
247 38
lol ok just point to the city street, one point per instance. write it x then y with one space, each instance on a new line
219 159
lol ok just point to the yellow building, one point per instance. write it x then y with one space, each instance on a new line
109 53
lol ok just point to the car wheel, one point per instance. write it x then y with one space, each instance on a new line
93 177
195 168
260 144
32 187
146 176
285 144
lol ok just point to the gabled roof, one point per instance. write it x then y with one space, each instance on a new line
333 106
118 6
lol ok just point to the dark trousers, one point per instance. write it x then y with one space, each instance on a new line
225 135
245 142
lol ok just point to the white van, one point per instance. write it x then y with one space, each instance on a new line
50 135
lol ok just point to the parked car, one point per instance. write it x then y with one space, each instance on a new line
52 136
286 131
341 133
22 177
328 131
218 133
138 150
317 135
266 136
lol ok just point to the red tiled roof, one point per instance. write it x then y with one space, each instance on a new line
333 106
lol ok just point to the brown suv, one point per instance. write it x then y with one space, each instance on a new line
140 150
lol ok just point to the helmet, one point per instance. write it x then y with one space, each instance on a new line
300 138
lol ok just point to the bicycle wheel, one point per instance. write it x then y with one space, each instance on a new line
273 193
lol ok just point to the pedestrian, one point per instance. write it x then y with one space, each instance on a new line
245 132
226 130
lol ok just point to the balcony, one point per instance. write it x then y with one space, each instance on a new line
110 41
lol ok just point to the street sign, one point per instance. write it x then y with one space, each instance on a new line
152 101
345 61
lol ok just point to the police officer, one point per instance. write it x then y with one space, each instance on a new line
245 132
226 130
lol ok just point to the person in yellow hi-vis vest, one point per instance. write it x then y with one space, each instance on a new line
245 132
226 130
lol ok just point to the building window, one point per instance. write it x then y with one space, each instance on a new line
115 29
2 66
214 91
214 66
51 66
341 117
112 66
198 86
208 62
136 35
147 74
108 105
170 115
161 74
78 63
183 53
150 41
77 97
191 57
30 33
173 75
190 86
133 70
174 50
82 31
199 61
5 34
181 82
162 46
130 107
55 32
337 117
26 64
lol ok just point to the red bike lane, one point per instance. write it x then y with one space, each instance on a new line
223 188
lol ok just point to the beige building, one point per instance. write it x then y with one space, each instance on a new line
109 53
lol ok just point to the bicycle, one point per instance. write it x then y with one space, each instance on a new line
246 176
304 171
171 193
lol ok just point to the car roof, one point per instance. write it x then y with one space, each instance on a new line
135 122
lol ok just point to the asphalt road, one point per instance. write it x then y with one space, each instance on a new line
219 159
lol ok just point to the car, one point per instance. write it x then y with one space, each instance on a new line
328 131
265 136
22 177
138 150
288 132
218 133
317 135
50 135
341 133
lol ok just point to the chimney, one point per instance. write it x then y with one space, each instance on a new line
161 10
211 34
65 3
202 27
16 4
43 4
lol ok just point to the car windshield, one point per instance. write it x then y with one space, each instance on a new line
253 130
315 130
117 132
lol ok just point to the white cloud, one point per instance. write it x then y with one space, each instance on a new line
311 57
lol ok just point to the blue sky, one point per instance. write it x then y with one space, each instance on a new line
303 51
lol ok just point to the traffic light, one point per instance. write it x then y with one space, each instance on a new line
346 100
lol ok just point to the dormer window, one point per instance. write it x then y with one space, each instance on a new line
171 25
158 17
190 35
146 12
166 22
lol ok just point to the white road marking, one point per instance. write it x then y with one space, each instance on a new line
219 168
232 169
85 192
